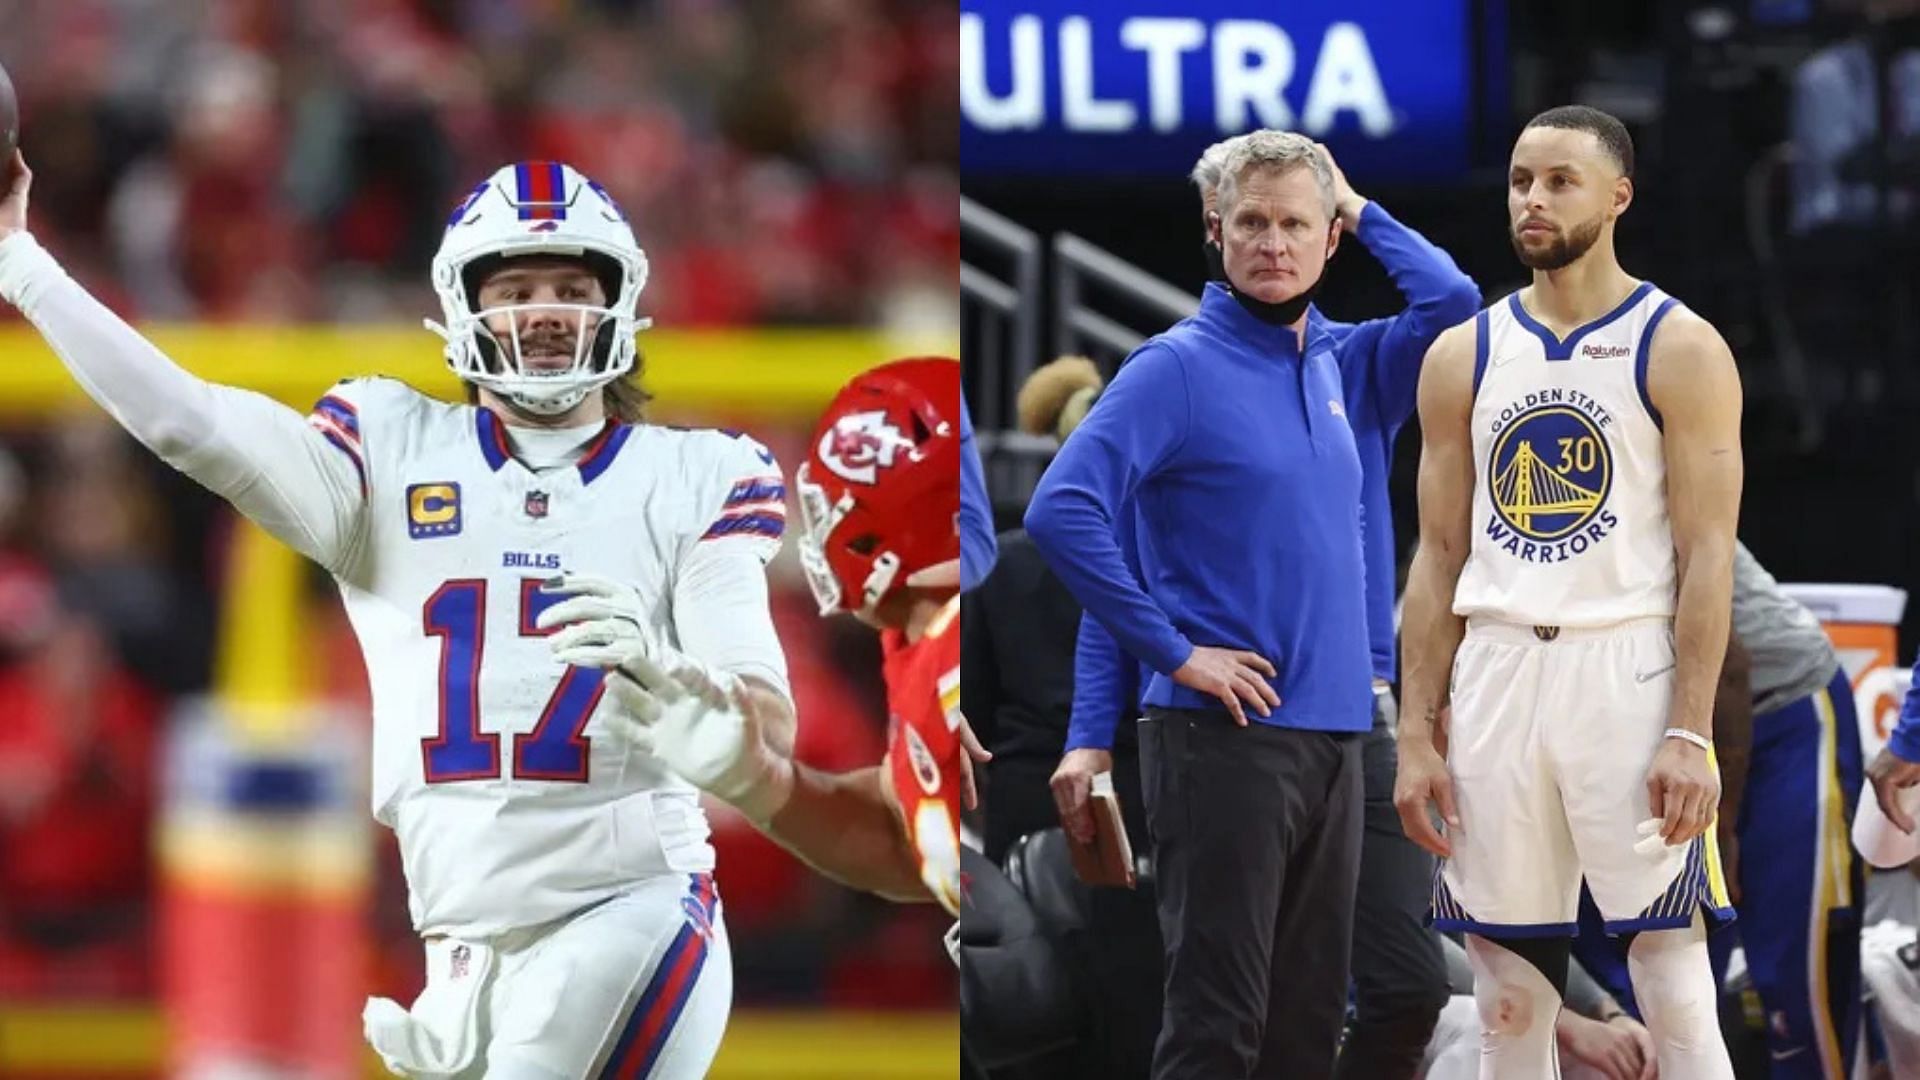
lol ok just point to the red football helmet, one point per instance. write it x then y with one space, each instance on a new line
880 489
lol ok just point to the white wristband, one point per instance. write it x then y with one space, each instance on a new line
1693 737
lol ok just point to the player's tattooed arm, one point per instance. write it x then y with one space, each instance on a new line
1694 389
1431 631
1694 385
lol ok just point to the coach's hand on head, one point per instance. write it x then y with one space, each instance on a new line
1346 202
1233 676
1682 790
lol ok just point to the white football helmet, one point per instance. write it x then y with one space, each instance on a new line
538 208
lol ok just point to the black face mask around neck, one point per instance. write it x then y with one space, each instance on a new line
1216 263
1284 313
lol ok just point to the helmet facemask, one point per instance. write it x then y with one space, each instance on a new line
601 348
820 522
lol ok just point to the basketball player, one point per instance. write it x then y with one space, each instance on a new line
879 494
561 880
1579 483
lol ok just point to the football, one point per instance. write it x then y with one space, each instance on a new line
9 114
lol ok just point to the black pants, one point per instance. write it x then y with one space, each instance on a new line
1256 841
1399 974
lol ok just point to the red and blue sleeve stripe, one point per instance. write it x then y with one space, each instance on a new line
644 1036
758 489
772 526
339 423
542 191
343 413
754 507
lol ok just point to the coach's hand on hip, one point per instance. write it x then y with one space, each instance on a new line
1682 790
1073 785
1233 676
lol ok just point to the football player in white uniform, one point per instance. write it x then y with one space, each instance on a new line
561 878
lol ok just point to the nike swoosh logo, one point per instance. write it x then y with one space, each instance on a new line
1782 1055
1654 674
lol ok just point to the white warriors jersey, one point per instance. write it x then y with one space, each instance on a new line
1570 520
511 806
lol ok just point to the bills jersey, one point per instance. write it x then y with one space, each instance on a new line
1570 520
923 746
511 805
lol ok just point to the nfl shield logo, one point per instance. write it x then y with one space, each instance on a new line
462 957
536 504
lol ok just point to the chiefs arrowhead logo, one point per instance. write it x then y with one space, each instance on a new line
859 445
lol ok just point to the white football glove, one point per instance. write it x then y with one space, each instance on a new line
706 728
696 720
604 622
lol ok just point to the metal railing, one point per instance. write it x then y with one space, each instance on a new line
1081 270
1101 306
999 309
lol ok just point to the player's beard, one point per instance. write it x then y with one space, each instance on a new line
1565 248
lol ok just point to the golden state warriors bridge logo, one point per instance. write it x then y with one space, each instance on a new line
1549 475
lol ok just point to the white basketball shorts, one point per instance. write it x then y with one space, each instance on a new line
1552 732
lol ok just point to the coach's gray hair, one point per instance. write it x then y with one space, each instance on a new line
1207 172
1273 151
1212 165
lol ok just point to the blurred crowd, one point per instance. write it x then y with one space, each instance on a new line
94 632
275 160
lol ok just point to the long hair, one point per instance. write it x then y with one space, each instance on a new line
625 399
